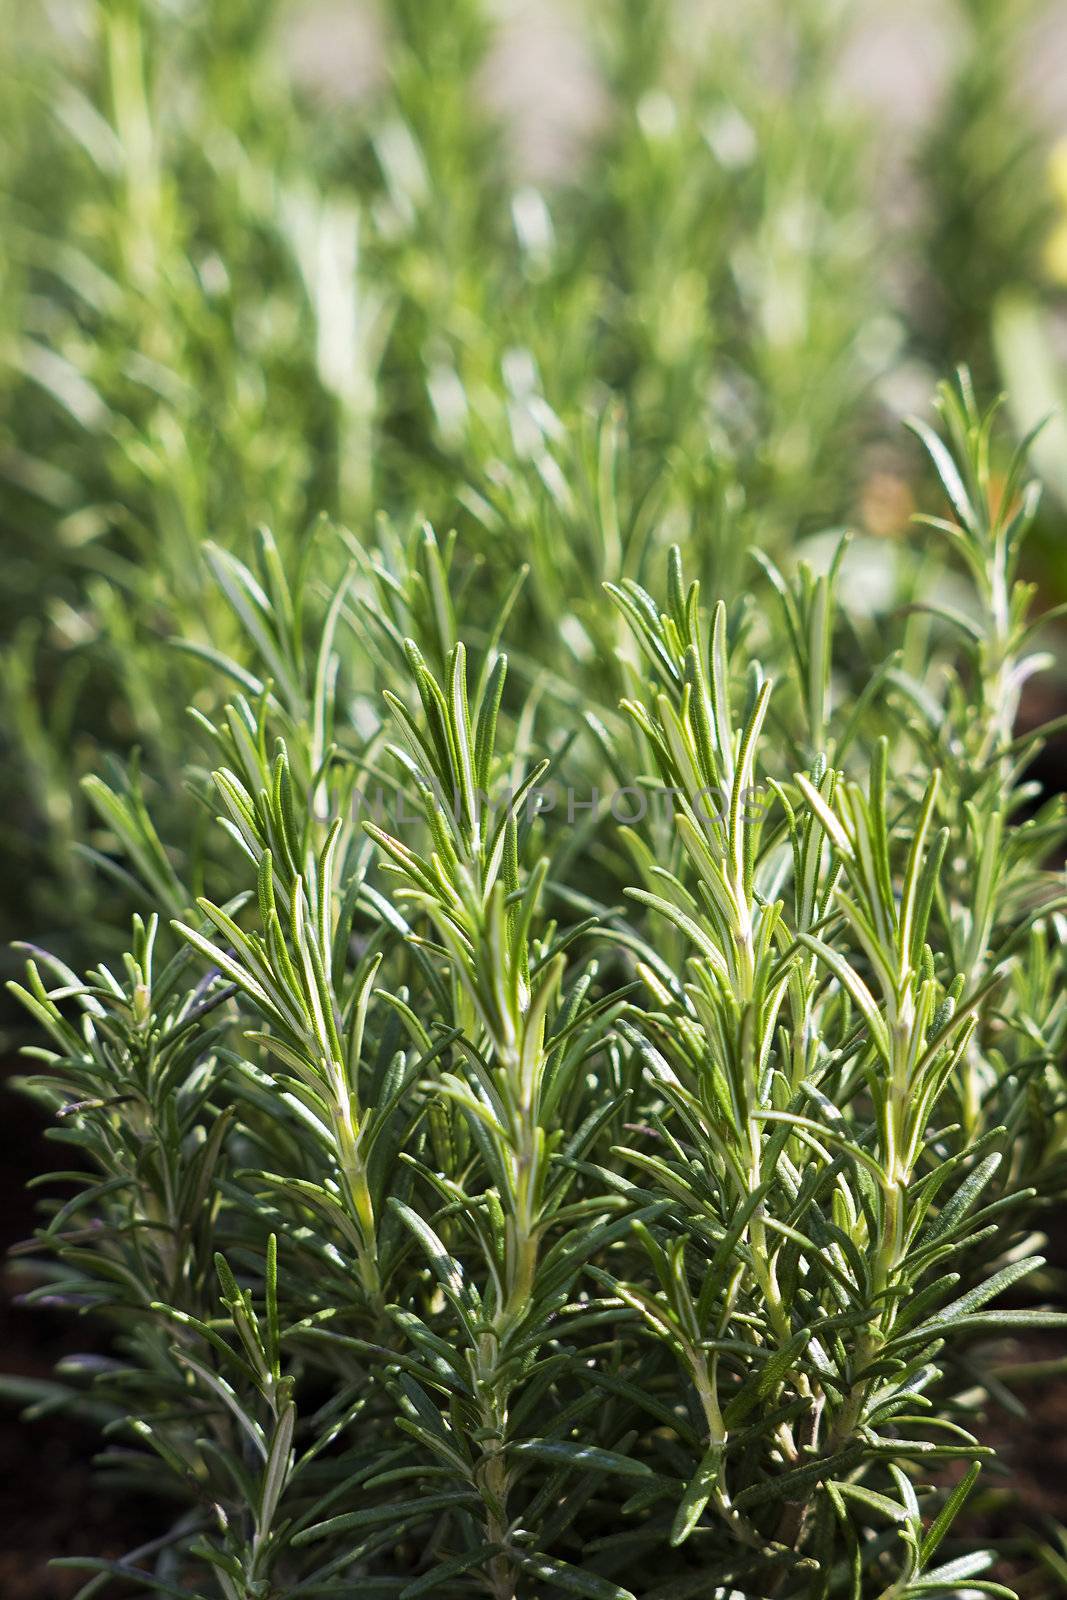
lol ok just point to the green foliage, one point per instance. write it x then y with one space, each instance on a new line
476 1212
234 294
578 1120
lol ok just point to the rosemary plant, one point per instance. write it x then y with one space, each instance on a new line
561 1153
348 238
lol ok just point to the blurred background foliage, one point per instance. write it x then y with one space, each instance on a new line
576 279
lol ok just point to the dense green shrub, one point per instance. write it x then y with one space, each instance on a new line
576 1108
491 1196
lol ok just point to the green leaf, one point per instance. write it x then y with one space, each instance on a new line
399 1514
572 1580
446 1570
698 1492
580 1458
946 471
948 1514
871 1500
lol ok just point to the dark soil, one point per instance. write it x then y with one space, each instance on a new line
1021 1498
50 1503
